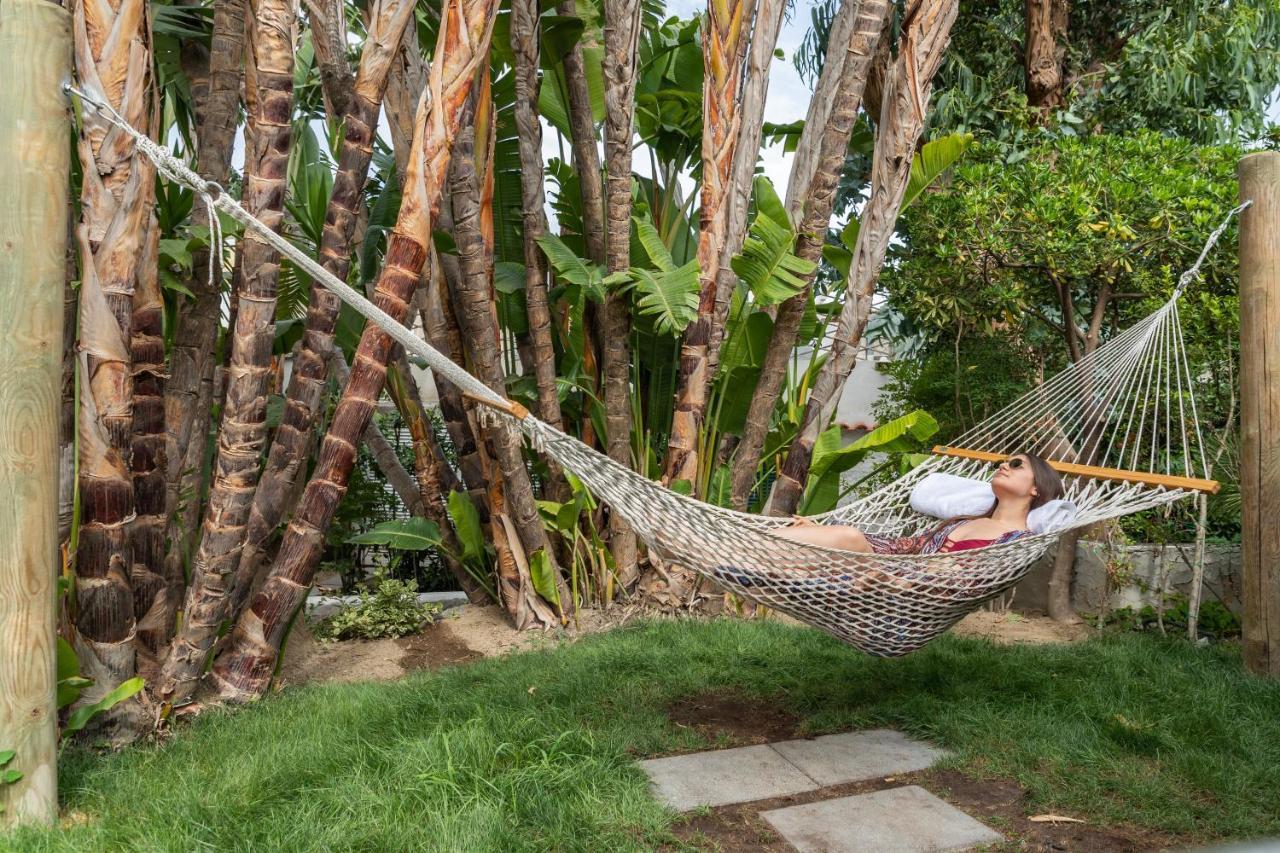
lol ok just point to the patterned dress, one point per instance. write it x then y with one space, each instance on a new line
935 541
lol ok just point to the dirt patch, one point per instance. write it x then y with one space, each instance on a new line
459 636
1016 628
435 647
739 719
307 660
468 633
1000 803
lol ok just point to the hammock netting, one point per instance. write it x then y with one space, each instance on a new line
1127 406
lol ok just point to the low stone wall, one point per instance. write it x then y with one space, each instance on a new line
1147 568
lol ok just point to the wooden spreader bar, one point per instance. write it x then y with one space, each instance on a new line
1168 481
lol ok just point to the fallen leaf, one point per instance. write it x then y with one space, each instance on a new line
891 778
1053 818
533 688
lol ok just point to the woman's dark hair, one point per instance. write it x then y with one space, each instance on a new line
1048 483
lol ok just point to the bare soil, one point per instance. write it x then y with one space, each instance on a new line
460 636
741 721
1018 628
470 633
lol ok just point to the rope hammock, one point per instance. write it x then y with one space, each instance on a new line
1114 424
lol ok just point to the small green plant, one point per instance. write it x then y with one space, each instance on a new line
1215 619
392 610
7 777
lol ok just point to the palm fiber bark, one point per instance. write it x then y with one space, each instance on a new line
244 669
113 64
724 48
621 43
287 459
925 33
869 26
243 431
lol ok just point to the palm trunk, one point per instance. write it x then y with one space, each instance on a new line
586 165
621 37
764 40
926 32
724 45
148 529
67 420
432 478
1046 48
478 320
853 58
524 43
441 327
242 434
287 459
113 64
244 670
191 362
586 156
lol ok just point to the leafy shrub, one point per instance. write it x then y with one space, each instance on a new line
393 610
1215 619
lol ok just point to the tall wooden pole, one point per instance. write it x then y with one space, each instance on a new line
1260 409
35 142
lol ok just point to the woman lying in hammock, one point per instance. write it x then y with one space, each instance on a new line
1022 483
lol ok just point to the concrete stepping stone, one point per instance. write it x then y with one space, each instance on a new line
724 776
895 820
855 756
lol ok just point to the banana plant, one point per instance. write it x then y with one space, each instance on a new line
591 572
831 458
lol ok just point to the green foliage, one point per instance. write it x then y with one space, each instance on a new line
1199 69
903 435
543 574
669 94
466 521
392 610
1214 620
931 162
10 775
81 716
402 534
975 289
768 264
669 297
573 270
591 574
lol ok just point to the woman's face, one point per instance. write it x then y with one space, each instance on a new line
1014 478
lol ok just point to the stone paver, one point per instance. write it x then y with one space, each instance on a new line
855 756
895 820
724 776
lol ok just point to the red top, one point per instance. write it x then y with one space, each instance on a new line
967 544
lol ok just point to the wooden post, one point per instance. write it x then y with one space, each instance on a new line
35 142
1260 409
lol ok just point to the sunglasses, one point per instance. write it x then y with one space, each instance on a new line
1015 462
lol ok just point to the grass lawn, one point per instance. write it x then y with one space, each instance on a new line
535 751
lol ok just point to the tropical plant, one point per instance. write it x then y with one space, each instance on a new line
391 609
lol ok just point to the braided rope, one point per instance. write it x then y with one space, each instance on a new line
885 604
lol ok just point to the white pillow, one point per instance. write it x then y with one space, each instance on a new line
947 496
1051 516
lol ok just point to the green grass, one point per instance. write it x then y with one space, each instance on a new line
536 751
